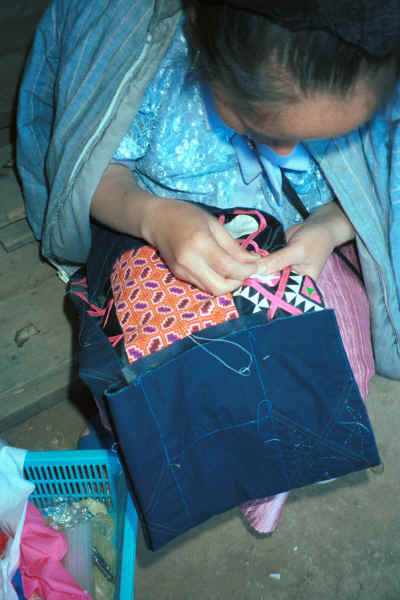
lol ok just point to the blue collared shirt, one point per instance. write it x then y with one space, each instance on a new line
257 160
179 147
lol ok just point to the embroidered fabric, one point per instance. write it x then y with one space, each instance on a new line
148 308
280 294
155 309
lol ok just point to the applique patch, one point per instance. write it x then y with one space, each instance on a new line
285 293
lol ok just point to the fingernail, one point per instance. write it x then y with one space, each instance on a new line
261 269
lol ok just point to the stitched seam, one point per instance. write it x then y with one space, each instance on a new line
164 446
251 342
329 444
215 432
242 329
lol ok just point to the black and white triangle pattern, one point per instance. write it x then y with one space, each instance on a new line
249 300
300 292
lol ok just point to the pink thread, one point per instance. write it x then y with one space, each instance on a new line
262 225
256 247
96 311
82 296
280 291
115 339
82 282
276 300
108 311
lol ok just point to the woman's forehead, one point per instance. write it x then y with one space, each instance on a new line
314 118
320 116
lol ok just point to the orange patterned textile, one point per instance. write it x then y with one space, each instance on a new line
155 309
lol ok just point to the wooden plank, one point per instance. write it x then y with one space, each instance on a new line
22 270
11 201
17 24
24 402
16 235
5 153
42 353
7 137
11 68
36 354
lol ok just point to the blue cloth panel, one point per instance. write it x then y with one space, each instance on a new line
198 437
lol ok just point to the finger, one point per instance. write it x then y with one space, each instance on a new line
224 286
210 267
219 278
312 269
227 266
210 281
289 233
276 261
211 255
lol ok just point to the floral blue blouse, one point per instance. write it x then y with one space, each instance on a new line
178 147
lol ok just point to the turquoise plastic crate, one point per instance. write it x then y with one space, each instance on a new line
97 474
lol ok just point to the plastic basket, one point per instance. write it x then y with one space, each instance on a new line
97 474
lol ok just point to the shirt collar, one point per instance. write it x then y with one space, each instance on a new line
214 121
297 160
251 165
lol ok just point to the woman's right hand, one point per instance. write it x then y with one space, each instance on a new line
194 244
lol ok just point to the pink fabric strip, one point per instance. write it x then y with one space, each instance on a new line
275 299
279 295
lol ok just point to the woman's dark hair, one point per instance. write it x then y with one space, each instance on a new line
255 60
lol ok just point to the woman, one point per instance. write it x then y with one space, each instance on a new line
225 105
73 115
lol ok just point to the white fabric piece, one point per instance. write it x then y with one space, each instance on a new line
271 279
242 225
14 494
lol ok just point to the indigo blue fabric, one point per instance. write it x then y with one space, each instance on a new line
199 438
241 410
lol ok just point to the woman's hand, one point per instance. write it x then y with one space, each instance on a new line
310 243
192 242
197 248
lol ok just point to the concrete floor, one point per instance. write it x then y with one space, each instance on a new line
337 541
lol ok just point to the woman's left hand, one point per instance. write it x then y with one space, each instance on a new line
310 243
